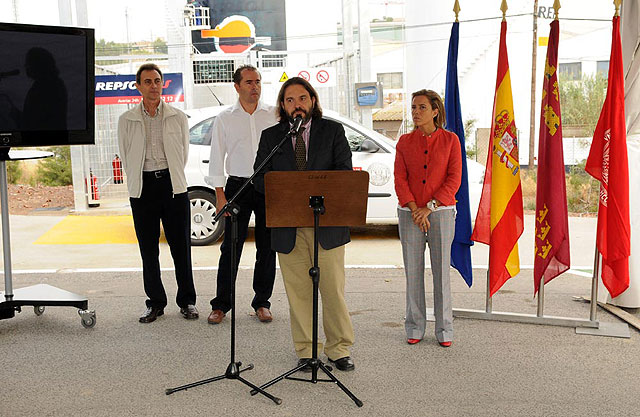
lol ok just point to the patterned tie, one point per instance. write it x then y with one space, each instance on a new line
301 151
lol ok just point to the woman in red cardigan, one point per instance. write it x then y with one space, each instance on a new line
427 173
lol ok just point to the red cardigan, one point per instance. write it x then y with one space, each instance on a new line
427 167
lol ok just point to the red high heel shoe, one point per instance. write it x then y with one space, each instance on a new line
413 341
445 344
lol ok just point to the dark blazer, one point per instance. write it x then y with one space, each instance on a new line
328 150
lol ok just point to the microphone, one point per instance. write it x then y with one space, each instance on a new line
297 123
9 73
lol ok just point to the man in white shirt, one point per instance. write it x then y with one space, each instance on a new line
234 143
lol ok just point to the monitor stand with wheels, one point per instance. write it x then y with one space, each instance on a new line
40 295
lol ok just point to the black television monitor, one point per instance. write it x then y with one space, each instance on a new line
46 85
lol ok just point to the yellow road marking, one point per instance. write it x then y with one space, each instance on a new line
90 230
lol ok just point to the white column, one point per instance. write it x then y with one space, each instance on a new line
364 34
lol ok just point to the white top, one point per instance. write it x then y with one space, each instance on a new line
154 157
234 141
131 143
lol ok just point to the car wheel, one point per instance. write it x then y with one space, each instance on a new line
203 210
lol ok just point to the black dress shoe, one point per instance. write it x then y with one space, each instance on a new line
151 314
344 364
190 312
308 367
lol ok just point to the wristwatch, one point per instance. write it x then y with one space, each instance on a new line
432 204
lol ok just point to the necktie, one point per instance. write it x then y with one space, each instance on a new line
301 151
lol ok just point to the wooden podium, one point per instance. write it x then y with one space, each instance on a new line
315 199
287 197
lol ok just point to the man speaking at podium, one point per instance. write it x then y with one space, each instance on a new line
319 145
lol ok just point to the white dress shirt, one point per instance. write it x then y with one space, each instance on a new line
234 141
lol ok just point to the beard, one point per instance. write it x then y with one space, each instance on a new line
306 115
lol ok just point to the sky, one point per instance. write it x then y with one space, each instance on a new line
146 18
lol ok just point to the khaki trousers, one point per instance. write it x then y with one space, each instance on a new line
297 282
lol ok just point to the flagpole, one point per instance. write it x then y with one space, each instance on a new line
488 300
594 286
540 312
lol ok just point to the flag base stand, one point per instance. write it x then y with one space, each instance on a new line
583 326
608 329
589 326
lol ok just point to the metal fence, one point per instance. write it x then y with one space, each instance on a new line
98 178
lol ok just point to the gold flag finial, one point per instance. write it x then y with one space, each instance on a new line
504 8
617 4
456 9
556 7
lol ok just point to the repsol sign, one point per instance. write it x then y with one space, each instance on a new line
121 89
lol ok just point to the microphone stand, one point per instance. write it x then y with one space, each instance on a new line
233 370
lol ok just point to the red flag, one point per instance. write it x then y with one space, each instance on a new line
499 222
608 160
552 224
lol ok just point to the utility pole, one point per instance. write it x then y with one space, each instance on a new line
364 43
347 56
15 11
534 57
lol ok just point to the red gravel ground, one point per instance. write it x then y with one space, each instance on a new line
24 199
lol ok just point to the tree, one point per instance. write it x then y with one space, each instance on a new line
581 102
14 172
56 171
160 46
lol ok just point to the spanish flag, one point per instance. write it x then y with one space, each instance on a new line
552 224
499 222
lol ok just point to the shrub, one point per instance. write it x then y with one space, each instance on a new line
56 171
582 190
14 172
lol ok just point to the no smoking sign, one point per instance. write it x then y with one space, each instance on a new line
318 77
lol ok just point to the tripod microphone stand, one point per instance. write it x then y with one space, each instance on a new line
317 204
289 191
233 370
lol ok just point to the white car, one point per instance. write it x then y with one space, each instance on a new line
372 152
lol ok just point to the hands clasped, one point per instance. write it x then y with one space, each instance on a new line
421 218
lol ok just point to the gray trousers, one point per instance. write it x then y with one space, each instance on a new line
413 242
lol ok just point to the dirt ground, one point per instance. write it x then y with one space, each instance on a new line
24 199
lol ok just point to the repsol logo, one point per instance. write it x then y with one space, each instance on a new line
122 85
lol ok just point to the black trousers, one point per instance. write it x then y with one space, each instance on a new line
264 272
158 203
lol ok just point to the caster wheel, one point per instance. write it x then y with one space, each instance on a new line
38 310
88 319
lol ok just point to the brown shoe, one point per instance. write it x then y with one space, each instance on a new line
264 315
215 317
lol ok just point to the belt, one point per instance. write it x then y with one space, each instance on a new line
234 178
161 173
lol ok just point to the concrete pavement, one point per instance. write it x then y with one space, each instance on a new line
52 366
36 247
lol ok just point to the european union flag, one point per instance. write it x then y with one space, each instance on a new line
461 246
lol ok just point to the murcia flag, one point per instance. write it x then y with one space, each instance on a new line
499 222
608 164
552 224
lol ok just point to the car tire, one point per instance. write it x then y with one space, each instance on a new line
203 210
